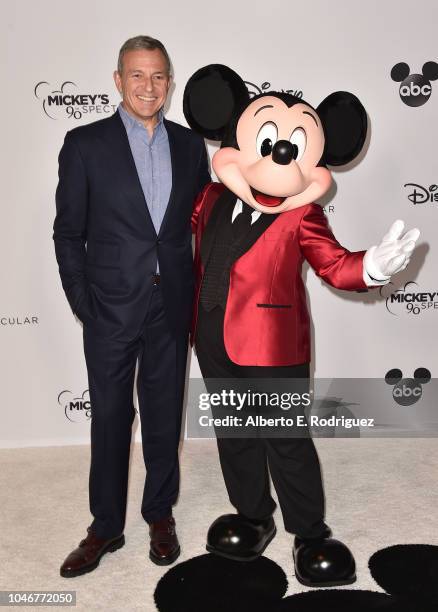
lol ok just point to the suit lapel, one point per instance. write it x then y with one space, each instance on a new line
257 229
220 215
124 167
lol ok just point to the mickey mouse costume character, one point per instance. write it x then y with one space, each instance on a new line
253 232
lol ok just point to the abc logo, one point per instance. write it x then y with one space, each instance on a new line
407 391
415 89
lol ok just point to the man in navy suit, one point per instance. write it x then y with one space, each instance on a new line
123 244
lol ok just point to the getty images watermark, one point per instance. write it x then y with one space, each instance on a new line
322 407
254 401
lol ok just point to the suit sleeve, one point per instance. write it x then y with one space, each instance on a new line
203 180
70 226
203 171
330 260
198 206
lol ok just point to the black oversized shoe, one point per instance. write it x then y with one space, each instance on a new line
236 537
323 561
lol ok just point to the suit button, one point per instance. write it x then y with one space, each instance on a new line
159 242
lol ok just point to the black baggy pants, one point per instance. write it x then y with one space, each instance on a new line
246 462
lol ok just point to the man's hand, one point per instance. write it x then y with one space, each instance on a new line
391 256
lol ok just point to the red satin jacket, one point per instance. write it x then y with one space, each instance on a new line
266 318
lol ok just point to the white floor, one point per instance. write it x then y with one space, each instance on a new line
379 493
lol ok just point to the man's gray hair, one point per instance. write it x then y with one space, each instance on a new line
142 42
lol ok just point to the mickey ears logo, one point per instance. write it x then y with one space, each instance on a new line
415 89
76 409
409 299
67 102
407 391
395 300
50 99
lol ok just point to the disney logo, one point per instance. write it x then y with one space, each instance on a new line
421 195
255 90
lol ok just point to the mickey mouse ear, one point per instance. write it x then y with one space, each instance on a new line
345 126
400 71
430 71
408 570
211 96
422 375
393 376
38 87
211 583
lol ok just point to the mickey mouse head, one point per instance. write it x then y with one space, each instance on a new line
407 391
275 147
415 89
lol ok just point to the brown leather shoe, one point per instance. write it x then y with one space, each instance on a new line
164 542
86 557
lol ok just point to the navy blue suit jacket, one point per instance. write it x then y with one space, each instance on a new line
106 245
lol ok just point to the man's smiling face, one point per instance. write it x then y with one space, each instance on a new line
143 84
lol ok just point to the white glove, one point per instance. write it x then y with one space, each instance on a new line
391 256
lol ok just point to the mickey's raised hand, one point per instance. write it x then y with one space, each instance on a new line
391 256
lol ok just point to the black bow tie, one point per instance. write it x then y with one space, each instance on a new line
242 223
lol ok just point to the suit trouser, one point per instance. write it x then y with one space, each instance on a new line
246 462
111 368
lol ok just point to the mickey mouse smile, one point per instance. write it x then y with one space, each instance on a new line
266 200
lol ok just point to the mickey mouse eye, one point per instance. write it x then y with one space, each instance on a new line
299 141
266 138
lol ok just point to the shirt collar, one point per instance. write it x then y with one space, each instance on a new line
131 122
238 209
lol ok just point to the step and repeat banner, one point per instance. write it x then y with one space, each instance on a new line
58 64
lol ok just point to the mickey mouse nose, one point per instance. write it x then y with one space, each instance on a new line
283 152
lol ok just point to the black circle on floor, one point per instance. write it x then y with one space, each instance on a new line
211 583
409 570
340 601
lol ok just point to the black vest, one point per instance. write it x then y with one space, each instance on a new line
220 249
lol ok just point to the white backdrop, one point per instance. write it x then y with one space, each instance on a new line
316 47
